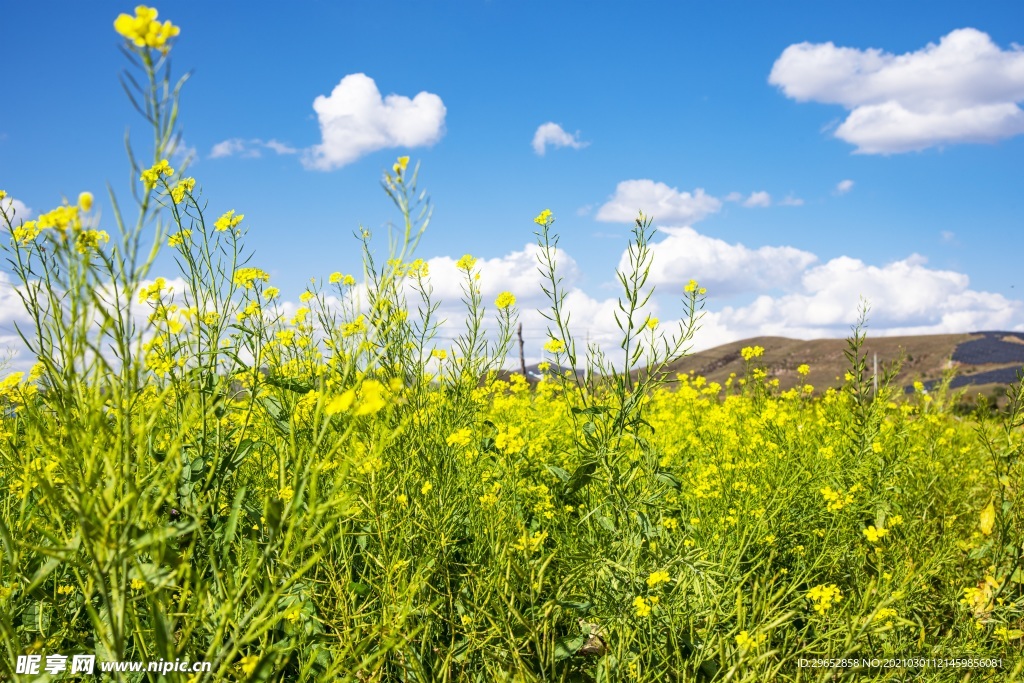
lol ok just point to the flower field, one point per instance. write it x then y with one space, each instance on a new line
335 494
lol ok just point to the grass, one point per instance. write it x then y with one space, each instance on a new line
332 496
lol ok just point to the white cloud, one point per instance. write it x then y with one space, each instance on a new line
552 134
721 267
844 186
355 120
758 199
15 210
965 89
733 197
905 297
249 149
791 200
663 203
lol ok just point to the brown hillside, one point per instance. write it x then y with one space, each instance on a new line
925 358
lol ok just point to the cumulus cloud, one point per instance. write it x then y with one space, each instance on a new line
590 319
249 149
905 297
790 200
721 267
844 186
758 199
964 89
355 120
15 209
733 197
664 203
796 295
552 134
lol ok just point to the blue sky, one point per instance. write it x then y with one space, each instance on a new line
735 124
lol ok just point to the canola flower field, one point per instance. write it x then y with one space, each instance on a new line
334 495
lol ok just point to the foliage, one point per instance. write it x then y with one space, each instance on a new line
330 496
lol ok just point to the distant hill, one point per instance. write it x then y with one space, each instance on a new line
986 361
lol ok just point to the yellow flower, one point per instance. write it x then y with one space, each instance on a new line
465 263
505 299
151 175
460 437
751 352
643 609
143 30
271 292
84 201
138 584
657 577
652 323
804 369
399 167
342 403
306 296
987 519
543 218
874 535
335 278
228 220
886 613
90 239
824 596
178 238
371 398
357 326
247 277
744 639
249 663
27 232
426 488
184 185
554 346
440 354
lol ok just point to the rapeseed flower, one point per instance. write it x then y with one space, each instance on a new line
874 535
143 30
543 218
460 437
465 263
179 238
693 288
505 299
658 577
824 596
227 221
85 201
641 606
184 185
151 175
987 519
90 239
248 276
751 352
745 640
554 346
